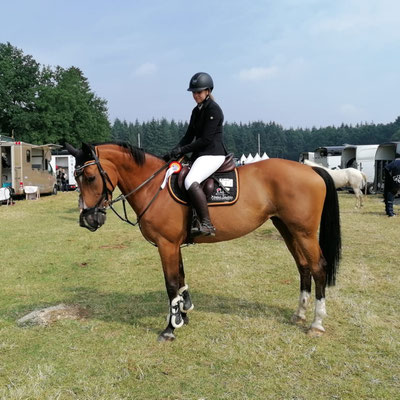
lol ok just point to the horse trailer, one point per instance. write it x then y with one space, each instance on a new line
385 153
329 156
306 155
361 157
24 164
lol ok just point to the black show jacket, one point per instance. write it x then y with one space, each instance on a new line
204 134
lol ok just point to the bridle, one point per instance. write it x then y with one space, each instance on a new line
105 199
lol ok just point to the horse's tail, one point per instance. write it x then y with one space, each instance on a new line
365 182
329 232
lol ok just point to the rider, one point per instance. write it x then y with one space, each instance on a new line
204 139
392 185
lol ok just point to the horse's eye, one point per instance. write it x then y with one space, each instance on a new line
90 179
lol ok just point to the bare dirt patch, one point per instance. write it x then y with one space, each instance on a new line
49 315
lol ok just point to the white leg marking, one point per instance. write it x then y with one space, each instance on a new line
320 314
303 304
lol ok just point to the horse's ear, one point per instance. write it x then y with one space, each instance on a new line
87 149
71 149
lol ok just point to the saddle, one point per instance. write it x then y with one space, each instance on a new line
221 188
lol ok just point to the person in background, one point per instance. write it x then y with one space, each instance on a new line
392 185
204 139
63 179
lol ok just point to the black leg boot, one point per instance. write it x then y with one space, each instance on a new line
389 205
199 202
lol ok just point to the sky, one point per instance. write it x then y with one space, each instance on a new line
299 63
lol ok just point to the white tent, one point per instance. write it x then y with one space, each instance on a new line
249 159
243 159
256 158
264 156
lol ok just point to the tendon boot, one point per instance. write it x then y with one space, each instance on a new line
199 202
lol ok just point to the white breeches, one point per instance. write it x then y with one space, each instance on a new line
202 168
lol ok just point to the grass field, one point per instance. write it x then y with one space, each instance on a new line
239 344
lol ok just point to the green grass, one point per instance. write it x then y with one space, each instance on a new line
239 344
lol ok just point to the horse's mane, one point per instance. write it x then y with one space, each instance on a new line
138 154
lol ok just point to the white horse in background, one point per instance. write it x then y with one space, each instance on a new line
346 177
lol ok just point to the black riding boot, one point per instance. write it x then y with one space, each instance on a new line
199 202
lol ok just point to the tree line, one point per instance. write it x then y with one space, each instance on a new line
43 104
159 136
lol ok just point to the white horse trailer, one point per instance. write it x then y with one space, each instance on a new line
306 155
65 161
329 156
361 157
385 153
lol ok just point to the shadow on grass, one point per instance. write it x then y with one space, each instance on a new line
132 308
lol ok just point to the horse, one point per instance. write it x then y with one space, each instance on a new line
298 199
346 177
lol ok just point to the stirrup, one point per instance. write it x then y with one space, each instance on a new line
204 228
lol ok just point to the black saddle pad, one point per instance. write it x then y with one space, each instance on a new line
224 189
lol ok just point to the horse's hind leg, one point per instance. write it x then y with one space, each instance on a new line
359 197
310 263
305 276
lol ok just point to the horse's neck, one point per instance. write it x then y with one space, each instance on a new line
131 174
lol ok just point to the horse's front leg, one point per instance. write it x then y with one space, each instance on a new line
171 262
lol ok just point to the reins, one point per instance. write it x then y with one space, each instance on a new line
123 198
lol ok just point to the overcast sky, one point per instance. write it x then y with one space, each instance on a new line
300 63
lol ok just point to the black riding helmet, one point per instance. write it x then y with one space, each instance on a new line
201 81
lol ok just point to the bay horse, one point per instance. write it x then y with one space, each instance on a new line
299 200
346 177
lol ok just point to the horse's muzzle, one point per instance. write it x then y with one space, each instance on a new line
92 218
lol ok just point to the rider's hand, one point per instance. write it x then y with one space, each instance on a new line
173 154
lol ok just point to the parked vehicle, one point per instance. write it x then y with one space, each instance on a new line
24 164
361 157
329 156
63 160
306 155
385 153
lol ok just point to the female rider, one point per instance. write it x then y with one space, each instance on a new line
204 140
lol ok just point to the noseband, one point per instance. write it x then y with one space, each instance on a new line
100 207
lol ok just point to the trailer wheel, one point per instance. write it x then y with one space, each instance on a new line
55 189
370 189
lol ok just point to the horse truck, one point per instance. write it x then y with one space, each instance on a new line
23 164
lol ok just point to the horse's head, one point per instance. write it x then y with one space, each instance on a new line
96 182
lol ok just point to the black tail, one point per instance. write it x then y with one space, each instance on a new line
329 232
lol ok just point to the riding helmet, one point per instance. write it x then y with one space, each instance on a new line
201 81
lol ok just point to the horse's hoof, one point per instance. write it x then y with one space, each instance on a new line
166 337
297 320
314 332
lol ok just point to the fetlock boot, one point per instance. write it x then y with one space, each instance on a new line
199 202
